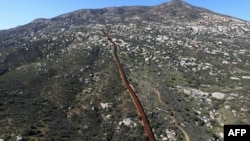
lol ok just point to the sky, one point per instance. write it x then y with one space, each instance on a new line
19 12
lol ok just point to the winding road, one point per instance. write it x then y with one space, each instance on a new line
140 111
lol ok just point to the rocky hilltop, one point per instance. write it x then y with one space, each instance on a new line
188 66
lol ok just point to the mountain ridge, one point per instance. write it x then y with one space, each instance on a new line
178 3
58 80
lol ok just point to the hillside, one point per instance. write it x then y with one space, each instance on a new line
188 66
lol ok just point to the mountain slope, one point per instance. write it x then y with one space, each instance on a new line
188 66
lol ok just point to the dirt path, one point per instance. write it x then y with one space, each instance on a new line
135 99
172 116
